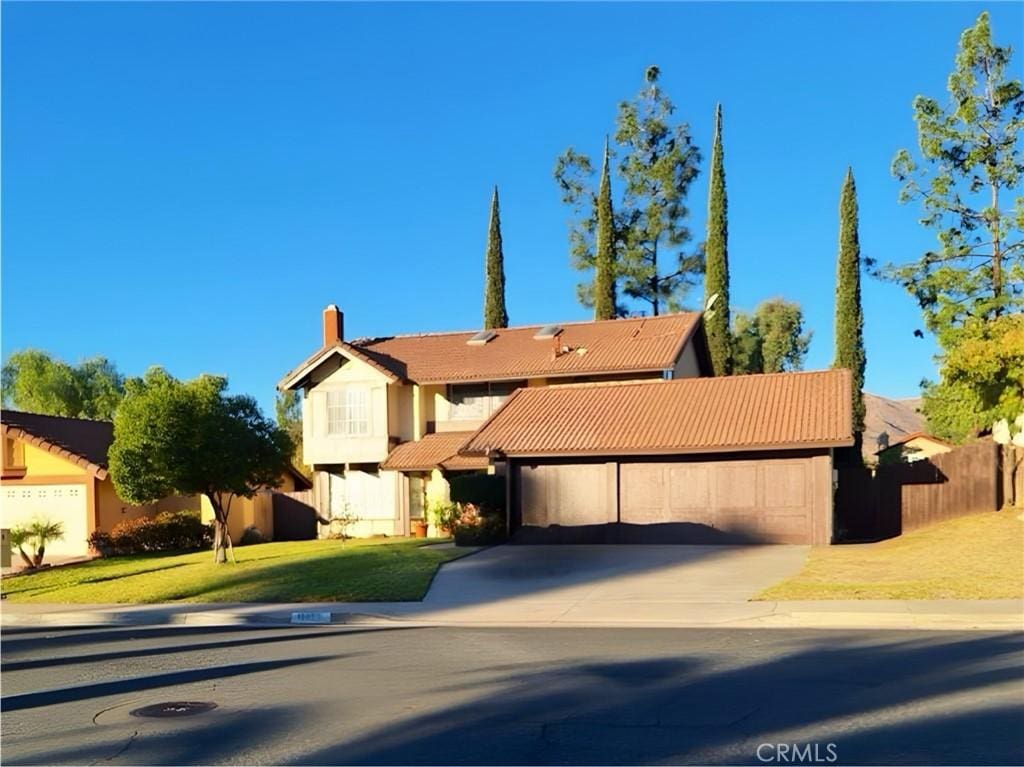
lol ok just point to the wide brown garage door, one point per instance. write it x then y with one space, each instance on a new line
771 499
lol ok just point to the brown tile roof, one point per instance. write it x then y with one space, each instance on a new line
689 415
434 451
83 442
641 344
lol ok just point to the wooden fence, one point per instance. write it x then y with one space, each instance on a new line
890 500
294 516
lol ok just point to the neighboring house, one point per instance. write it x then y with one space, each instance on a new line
56 467
594 422
887 420
258 511
913 447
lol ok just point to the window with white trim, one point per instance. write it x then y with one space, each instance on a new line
348 412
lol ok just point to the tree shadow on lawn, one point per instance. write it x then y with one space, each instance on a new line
927 700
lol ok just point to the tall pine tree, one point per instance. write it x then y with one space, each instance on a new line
716 277
605 261
849 312
495 314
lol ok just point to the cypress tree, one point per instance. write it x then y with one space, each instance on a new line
716 275
495 315
849 312
605 262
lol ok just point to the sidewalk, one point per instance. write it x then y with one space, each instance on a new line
954 615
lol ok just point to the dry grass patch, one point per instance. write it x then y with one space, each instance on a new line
975 557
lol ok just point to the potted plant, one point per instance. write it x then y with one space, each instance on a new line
442 516
419 528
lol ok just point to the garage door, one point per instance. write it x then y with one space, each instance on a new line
62 503
765 500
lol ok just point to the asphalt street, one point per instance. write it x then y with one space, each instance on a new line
406 695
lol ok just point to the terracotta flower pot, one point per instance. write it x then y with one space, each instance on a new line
419 529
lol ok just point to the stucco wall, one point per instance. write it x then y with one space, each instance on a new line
687 365
318 446
42 463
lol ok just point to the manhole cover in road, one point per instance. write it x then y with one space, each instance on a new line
174 708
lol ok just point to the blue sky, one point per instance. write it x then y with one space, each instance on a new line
189 184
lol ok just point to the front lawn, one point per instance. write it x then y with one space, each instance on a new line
373 570
975 557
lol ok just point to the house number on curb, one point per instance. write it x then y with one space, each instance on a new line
309 617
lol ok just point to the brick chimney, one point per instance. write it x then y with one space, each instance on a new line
334 325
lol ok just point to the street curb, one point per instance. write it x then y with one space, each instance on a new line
825 620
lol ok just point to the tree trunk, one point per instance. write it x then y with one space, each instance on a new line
221 537
40 553
29 564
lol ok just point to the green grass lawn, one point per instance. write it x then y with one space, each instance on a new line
975 557
373 570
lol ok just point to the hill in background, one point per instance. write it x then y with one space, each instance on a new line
890 420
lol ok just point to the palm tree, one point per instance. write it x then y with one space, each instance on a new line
43 531
20 536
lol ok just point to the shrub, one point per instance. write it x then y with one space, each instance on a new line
102 543
484 490
251 535
167 531
477 526
442 515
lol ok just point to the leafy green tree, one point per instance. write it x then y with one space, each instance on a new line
849 334
35 382
605 259
771 340
967 179
176 437
982 379
495 314
968 170
658 163
716 251
288 412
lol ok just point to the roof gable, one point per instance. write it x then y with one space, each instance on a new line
300 375
81 441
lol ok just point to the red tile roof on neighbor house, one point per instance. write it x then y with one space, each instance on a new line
689 415
81 441
434 451
641 344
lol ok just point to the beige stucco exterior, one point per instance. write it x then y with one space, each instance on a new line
347 481
914 449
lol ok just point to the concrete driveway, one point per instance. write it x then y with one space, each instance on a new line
609 583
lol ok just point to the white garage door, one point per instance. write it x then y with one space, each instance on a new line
60 503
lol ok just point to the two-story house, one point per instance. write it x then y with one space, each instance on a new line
384 418
607 431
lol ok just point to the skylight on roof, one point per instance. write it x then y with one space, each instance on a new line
481 338
548 331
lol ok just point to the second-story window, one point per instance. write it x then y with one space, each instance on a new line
348 412
474 402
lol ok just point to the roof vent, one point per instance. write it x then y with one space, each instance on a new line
548 331
481 338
